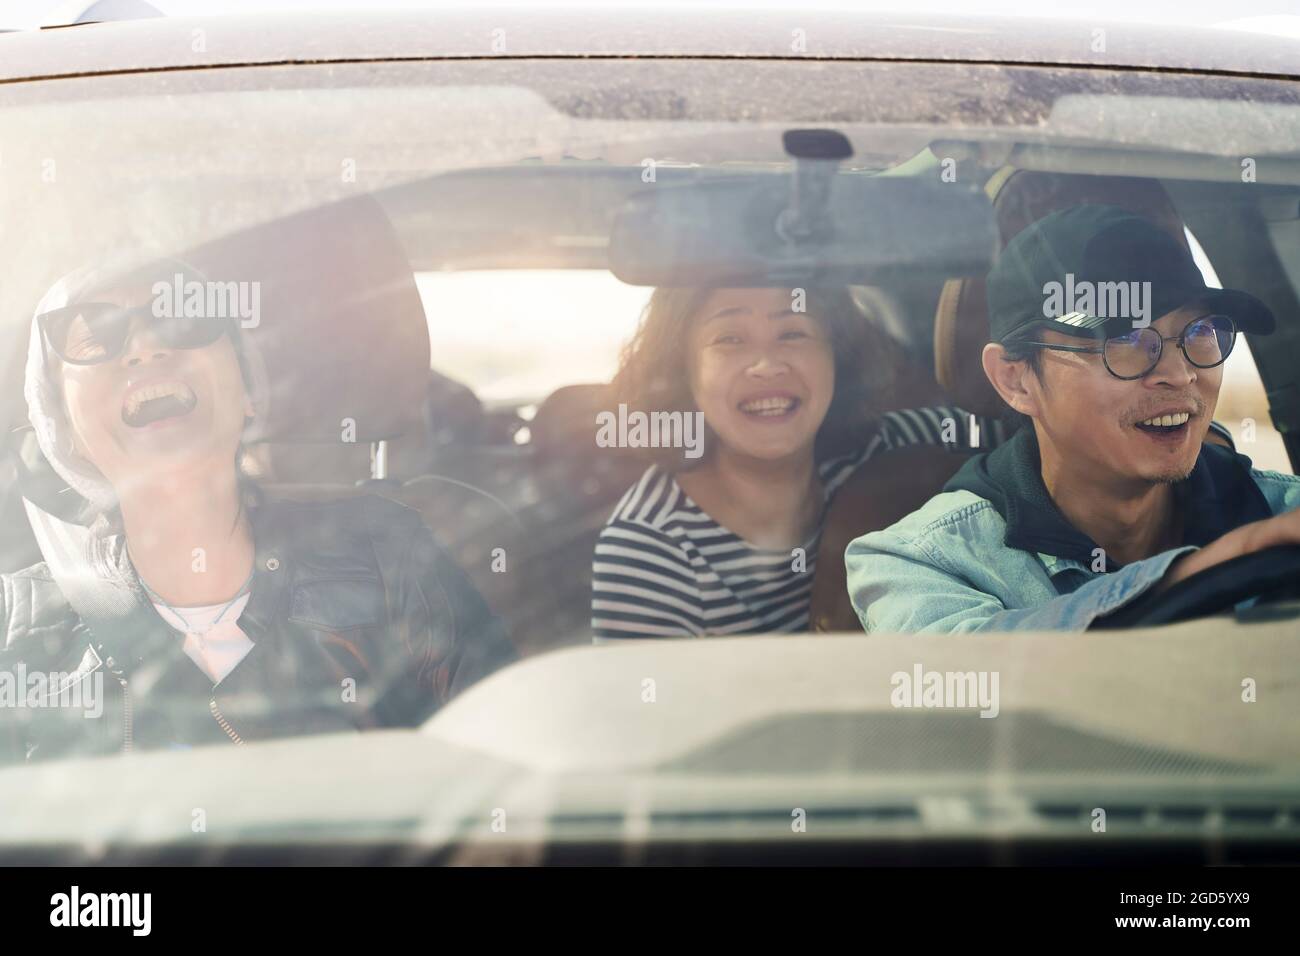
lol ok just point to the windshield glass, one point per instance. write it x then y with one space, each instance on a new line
369 382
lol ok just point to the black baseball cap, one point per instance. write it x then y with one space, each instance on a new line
1095 271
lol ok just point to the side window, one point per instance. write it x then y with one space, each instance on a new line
1243 404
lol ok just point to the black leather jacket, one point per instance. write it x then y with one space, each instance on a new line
358 620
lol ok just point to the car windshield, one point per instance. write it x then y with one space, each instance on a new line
512 357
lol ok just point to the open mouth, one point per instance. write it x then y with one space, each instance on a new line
150 404
772 407
1173 425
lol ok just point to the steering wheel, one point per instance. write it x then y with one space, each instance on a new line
1272 574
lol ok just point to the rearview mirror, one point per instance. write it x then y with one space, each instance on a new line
734 231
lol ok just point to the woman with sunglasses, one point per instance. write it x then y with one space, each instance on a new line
249 618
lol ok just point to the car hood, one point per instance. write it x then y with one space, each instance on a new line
735 728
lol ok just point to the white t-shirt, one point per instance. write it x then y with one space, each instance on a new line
215 648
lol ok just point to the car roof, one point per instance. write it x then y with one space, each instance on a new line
169 43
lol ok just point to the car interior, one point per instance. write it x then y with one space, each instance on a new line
365 399
367 409
349 189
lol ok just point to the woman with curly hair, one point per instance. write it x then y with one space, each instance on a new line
790 386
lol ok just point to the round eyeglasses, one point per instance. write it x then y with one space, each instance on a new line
1206 342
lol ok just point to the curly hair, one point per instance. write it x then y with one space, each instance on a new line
654 369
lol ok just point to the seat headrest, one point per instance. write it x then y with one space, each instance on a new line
565 423
341 335
1021 197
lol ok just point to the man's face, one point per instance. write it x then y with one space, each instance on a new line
1101 424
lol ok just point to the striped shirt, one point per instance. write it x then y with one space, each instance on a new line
664 568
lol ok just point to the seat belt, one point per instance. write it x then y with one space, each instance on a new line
105 606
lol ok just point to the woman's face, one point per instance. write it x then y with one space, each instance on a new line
762 374
154 410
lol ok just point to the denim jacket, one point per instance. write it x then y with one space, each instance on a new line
358 620
993 553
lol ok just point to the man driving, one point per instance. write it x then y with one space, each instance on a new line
1109 491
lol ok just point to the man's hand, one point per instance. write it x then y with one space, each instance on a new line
1249 538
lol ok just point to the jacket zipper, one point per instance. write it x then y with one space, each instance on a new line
128 721
128 718
224 724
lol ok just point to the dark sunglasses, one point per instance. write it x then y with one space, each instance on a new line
1206 342
89 333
